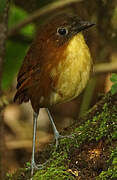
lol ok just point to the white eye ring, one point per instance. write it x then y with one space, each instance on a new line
62 31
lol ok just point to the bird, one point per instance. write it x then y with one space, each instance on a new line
55 70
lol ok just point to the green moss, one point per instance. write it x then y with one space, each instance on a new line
101 125
111 172
56 170
54 173
9 176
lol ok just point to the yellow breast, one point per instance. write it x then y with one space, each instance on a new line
74 71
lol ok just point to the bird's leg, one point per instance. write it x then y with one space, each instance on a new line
33 164
56 133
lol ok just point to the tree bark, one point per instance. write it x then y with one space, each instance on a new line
3 37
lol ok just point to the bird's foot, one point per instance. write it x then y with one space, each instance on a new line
58 136
35 166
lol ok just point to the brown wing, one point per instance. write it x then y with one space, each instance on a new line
27 69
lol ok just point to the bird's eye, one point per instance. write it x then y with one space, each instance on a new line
62 31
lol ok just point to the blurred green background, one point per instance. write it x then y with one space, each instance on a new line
16 49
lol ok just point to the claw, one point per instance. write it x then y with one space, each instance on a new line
56 133
58 136
35 166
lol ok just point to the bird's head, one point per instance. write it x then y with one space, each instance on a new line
62 28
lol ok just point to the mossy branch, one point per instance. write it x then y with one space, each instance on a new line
90 154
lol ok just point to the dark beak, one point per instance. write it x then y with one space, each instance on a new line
82 25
